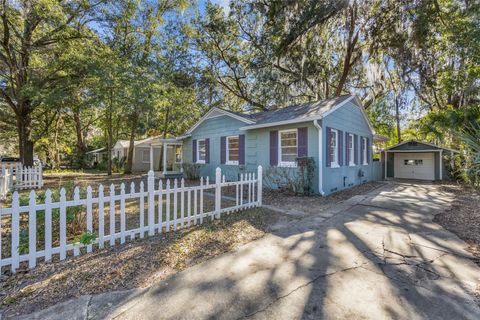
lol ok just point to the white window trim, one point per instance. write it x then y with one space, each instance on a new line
288 164
365 153
334 164
227 160
198 151
143 158
351 157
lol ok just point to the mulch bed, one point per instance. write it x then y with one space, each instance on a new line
314 204
133 265
463 217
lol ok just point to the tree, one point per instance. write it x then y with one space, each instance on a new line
34 38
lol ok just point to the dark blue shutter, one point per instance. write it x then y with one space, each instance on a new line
207 150
273 148
328 146
368 150
340 147
361 150
223 150
241 149
302 150
347 143
194 151
355 149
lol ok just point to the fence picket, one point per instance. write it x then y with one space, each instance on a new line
201 199
160 207
167 207
151 200
175 204
48 225
89 215
15 231
63 224
182 203
32 231
142 210
132 191
112 214
101 217
189 207
122 213
195 202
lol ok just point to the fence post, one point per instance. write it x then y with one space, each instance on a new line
259 187
218 192
151 199
40 175
15 231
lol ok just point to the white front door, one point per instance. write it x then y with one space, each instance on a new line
414 165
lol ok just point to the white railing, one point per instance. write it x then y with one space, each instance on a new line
156 210
20 177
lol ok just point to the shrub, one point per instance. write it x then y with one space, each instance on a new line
191 171
296 180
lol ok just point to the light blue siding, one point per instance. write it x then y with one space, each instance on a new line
257 147
348 118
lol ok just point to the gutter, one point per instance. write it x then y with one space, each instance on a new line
320 157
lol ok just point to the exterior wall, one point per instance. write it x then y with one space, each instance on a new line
257 146
347 118
214 128
139 165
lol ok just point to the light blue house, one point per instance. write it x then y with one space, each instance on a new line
335 132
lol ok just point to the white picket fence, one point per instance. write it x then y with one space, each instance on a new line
168 208
17 176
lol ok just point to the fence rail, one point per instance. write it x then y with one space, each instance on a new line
17 176
39 230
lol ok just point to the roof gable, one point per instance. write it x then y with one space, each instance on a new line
217 112
417 145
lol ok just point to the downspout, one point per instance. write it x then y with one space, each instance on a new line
320 157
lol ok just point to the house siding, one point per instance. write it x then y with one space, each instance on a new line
348 118
257 146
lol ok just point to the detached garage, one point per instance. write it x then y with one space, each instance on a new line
416 160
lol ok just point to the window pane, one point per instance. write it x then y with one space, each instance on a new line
233 146
288 146
201 150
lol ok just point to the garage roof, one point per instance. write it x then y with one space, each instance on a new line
415 145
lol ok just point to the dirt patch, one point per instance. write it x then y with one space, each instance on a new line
133 265
463 217
302 205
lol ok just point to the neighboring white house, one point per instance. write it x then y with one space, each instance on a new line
146 154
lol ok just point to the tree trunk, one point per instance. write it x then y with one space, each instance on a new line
133 129
110 129
164 136
397 119
25 143
81 147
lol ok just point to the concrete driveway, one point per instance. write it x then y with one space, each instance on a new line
377 256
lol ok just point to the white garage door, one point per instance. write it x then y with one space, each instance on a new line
415 165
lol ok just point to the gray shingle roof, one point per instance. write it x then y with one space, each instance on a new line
305 110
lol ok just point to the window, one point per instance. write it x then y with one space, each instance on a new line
411 162
351 148
365 160
232 150
146 156
288 148
178 154
201 151
334 149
